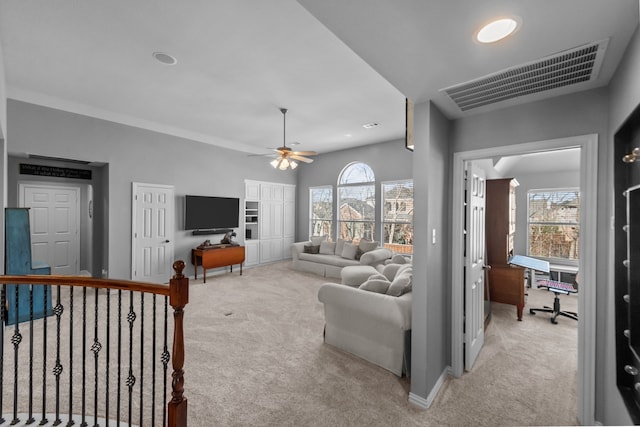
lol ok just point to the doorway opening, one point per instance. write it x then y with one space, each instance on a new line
588 145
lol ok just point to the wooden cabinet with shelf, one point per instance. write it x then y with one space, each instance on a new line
506 282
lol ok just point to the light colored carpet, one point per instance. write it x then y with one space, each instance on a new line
255 356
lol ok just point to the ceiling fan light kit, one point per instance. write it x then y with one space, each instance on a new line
287 158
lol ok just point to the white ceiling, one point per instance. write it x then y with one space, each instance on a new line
240 61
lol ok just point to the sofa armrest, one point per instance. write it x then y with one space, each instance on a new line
376 256
297 248
387 308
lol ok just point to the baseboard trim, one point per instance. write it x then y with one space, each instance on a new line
423 403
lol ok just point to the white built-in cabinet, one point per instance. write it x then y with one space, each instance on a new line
269 221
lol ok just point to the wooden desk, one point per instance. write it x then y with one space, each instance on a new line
216 257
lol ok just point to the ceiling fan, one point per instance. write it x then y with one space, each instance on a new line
287 158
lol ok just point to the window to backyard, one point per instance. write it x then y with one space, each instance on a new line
321 210
554 224
356 202
397 215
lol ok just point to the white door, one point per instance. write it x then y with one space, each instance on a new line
54 218
153 229
474 264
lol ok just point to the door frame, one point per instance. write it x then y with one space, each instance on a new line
134 212
588 145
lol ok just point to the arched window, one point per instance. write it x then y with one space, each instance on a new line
356 202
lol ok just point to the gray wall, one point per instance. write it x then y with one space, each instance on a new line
389 161
577 114
431 325
136 155
538 181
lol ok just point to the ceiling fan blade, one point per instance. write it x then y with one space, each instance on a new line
305 153
302 159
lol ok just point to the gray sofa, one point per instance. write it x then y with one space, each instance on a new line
373 324
332 256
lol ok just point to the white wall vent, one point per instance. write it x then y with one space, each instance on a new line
577 65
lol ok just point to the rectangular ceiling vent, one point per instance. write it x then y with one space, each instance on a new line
563 69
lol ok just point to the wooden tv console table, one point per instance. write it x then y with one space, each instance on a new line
217 256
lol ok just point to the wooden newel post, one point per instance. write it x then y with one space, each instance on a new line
178 298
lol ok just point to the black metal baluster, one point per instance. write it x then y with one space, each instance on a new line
30 419
70 421
95 348
165 361
119 354
153 366
57 370
83 403
131 380
106 391
44 420
15 340
141 356
3 312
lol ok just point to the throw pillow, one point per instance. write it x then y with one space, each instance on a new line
327 248
316 240
349 251
399 259
378 276
376 285
401 284
390 270
340 246
311 249
367 245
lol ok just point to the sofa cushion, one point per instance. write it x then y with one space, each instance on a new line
367 245
349 251
378 276
376 285
311 249
401 284
328 260
340 246
316 240
327 248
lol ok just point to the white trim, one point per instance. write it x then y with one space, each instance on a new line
587 295
423 403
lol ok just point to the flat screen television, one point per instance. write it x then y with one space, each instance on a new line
206 212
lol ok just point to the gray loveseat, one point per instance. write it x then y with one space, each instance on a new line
329 258
372 320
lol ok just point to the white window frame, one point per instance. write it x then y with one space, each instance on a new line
554 260
311 219
383 220
341 185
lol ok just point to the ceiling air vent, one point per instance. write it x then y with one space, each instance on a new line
563 69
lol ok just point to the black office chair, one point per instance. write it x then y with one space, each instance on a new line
557 288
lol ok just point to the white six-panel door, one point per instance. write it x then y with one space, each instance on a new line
54 218
474 265
152 232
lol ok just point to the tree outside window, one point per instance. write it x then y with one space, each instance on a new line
321 210
554 224
397 215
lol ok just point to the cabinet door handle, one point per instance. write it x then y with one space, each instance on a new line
167 241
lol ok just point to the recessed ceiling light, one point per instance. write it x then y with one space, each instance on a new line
165 58
370 125
497 30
